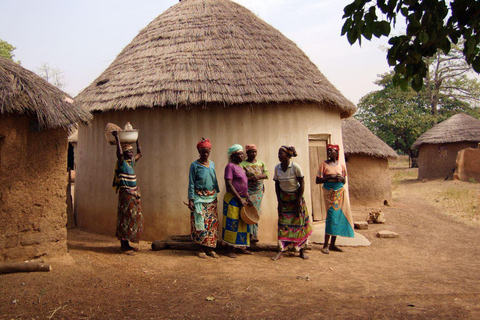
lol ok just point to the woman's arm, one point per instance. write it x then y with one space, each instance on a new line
119 147
139 151
279 199
232 190
191 187
300 191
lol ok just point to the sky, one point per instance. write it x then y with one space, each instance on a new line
82 38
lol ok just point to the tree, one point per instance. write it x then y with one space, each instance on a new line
431 26
52 75
6 50
399 117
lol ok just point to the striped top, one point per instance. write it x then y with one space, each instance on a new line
125 176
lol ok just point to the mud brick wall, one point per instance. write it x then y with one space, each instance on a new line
32 190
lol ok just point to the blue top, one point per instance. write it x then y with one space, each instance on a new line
202 178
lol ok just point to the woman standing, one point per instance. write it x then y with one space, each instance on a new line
202 201
235 232
129 214
294 226
339 218
256 172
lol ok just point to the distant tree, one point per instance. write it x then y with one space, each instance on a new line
399 117
6 50
52 75
431 26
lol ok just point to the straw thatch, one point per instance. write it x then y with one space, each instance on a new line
460 127
23 92
201 52
357 139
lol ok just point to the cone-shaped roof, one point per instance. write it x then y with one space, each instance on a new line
358 139
210 51
24 92
460 127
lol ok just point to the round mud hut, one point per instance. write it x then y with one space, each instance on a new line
366 156
34 120
203 68
439 146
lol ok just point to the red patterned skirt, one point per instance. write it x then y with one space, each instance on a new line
209 236
129 215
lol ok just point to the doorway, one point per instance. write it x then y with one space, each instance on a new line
317 152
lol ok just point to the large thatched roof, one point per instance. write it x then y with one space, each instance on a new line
210 51
357 139
23 92
460 127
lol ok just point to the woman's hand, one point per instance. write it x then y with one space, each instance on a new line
298 205
279 208
191 205
243 202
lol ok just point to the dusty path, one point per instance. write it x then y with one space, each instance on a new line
431 271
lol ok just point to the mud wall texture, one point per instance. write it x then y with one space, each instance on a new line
468 165
369 180
437 161
32 190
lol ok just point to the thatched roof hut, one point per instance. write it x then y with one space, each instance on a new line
34 118
367 158
25 93
203 68
438 147
210 51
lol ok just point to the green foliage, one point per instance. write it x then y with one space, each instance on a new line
431 26
6 50
399 117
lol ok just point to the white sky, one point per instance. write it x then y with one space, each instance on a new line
83 37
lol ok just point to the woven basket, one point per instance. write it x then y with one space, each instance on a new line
249 214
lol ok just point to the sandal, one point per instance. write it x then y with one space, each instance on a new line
245 251
325 250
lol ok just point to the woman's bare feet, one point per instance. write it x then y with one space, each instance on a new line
335 248
303 255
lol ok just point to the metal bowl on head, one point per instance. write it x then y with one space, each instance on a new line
249 214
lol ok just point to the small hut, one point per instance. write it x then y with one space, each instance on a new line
34 121
438 147
366 156
203 68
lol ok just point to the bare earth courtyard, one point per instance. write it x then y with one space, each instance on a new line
431 271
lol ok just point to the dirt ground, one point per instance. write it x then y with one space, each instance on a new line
431 271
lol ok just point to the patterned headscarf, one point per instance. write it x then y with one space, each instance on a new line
290 150
234 148
204 143
249 147
334 147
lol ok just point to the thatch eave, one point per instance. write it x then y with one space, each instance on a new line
458 128
23 92
200 52
359 140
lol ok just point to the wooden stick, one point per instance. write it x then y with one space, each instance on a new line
27 266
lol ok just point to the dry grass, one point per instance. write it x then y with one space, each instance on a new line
454 198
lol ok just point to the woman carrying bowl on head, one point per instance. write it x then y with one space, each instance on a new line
294 226
235 232
339 218
256 172
129 214
202 201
